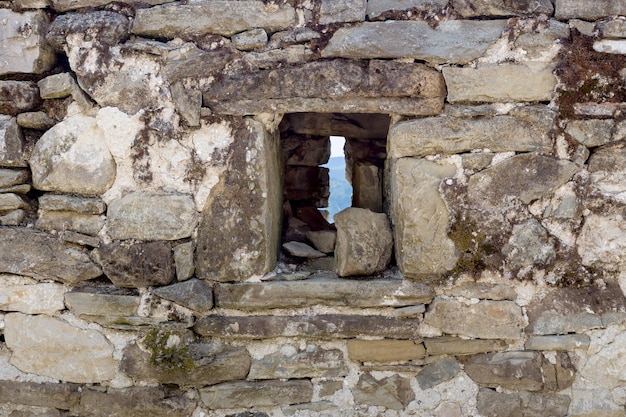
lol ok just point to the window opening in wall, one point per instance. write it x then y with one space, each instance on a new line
331 162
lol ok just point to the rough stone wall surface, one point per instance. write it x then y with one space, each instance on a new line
143 196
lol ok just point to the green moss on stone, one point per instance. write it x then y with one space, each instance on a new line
167 357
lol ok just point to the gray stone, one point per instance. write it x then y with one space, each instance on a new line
18 189
420 217
453 42
105 27
43 256
531 81
36 120
610 46
152 216
59 202
137 264
447 345
22 45
302 250
12 218
567 9
290 362
309 185
59 221
538 44
249 40
393 392
528 245
322 291
615 28
594 403
323 240
602 242
257 394
195 364
527 177
321 326
367 186
483 291
45 298
183 259
604 366
50 347
592 132
56 86
132 402
11 142
385 351
566 342
18 97
354 125
483 320
491 403
325 408
364 242
188 102
236 241
94 301
527 130
437 372
193 294
501 8
10 201
305 149
608 168
10 177
211 17
375 8
340 11
61 396
73 158
80 239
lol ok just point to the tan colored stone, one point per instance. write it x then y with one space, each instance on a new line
592 132
532 81
88 224
385 351
376 8
37 120
323 240
50 347
567 9
86 302
183 260
339 11
46 298
420 217
58 202
18 97
483 320
257 394
22 45
61 396
11 142
56 86
501 8
483 291
11 177
448 345
367 186
602 242
393 392
566 342
11 201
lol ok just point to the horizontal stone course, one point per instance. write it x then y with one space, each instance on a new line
61 396
383 351
257 394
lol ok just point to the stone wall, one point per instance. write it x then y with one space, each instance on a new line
159 185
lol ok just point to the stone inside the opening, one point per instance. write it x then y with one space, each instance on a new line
334 222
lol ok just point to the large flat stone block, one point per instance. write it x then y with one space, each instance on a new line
290 362
453 41
61 396
257 394
582 9
385 351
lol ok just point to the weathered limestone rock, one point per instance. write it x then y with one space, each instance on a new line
193 294
91 302
18 97
130 402
235 240
80 239
323 240
454 41
491 403
520 371
57 86
58 202
527 177
21 42
46 298
606 366
567 9
393 392
88 224
602 242
325 326
333 11
11 143
382 351
322 291
10 177
608 168
302 250
501 8
137 264
437 372
105 27
151 216
375 8
218 17
447 345
42 256
594 403
36 120
532 81
566 342
528 245
364 242
257 394
10 201
290 362
249 40
73 157
483 291
61 396
484 320
305 150
195 364
46 346
13 218
183 260
367 186
592 132
420 218
523 130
